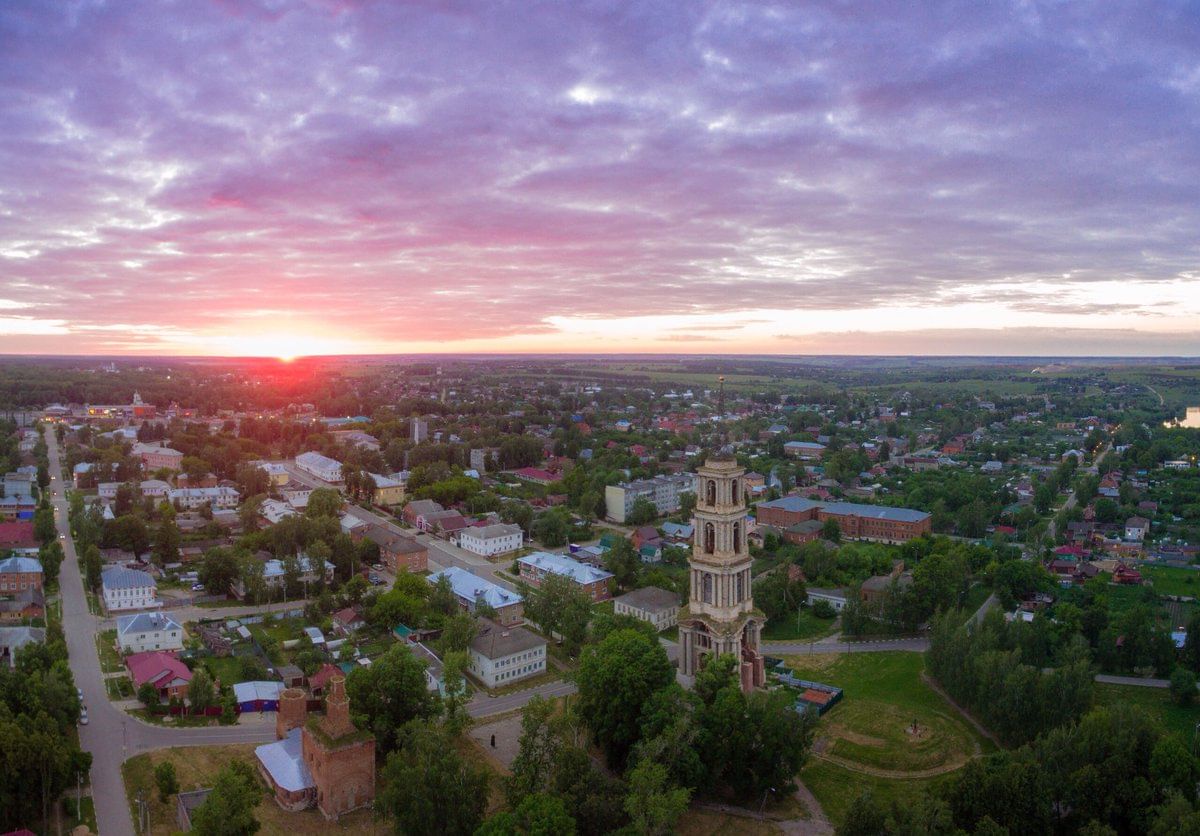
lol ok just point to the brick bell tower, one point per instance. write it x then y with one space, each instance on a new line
720 617
340 758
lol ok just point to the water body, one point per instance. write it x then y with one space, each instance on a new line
1191 420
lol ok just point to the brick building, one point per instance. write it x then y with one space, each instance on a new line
18 574
324 761
397 552
877 523
593 581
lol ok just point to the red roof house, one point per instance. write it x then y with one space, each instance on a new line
169 676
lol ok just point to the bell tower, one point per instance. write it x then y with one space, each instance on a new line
720 617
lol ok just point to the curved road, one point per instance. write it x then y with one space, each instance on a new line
112 735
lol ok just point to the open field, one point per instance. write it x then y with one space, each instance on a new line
869 740
1171 580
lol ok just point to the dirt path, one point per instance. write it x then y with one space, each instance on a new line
817 823
979 727
894 774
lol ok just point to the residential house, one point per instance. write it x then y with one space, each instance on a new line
190 499
169 676
389 491
17 534
1136 528
28 604
535 475
347 621
276 473
18 574
398 552
148 631
416 511
158 457
12 639
501 655
657 607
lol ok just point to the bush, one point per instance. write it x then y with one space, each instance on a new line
166 780
1183 686
823 609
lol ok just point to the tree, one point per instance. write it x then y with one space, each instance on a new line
388 694
427 787
615 678
1183 686
166 542
323 502
642 512
457 633
166 780
147 694
129 533
537 815
201 691
218 570
551 528
653 803
624 562
539 747
43 523
51 556
229 808
778 596
831 530
560 607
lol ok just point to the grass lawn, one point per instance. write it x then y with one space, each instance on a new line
711 823
110 659
1172 580
196 767
227 669
544 678
1157 703
837 788
871 729
119 688
804 626
85 814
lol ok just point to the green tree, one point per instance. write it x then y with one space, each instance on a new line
624 562
166 780
166 542
560 607
541 741
537 815
218 570
147 694
201 692
388 694
642 512
653 804
551 528
323 502
229 808
615 678
831 530
43 523
428 789
1183 686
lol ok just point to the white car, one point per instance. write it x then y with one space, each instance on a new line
197 587
83 720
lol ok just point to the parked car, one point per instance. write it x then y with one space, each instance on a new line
374 579
197 587
83 720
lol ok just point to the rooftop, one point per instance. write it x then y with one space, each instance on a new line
495 642
560 565
471 587
650 598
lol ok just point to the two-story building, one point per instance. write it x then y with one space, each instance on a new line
18 574
503 655
657 607
490 540
471 589
128 589
144 631
593 581
219 498
323 467
158 457
397 552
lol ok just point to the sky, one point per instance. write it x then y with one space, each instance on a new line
218 177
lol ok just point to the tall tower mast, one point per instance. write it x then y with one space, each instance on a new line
720 617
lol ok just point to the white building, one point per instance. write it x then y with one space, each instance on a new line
491 540
128 589
655 606
108 490
148 631
503 655
272 510
835 597
663 492
323 467
155 488
192 498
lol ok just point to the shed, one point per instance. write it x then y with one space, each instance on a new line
257 696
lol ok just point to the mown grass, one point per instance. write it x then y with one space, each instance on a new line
803 626
1172 580
1174 719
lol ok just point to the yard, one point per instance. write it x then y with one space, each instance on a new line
804 626
110 659
870 740
196 767
119 687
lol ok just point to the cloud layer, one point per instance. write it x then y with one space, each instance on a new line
219 176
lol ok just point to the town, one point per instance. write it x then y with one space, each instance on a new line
586 594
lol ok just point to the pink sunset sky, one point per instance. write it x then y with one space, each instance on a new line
287 178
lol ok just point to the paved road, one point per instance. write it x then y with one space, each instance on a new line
838 645
1073 498
484 705
111 735
1133 680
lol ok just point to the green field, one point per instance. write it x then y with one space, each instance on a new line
1170 580
1158 703
804 626
868 740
